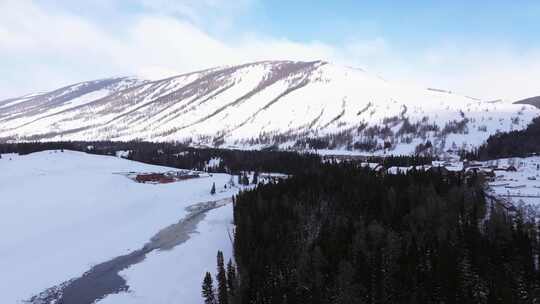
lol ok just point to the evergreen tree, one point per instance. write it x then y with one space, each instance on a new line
231 278
245 179
255 180
208 289
213 190
221 277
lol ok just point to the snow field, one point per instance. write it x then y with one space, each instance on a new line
62 212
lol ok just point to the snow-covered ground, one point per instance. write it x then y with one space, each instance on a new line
521 185
62 212
175 276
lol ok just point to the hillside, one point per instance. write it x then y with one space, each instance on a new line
298 105
516 143
534 101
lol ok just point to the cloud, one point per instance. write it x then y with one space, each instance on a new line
195 9
70 48
218 15
490 71
43 48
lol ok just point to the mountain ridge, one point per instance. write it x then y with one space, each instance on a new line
534 101
287 104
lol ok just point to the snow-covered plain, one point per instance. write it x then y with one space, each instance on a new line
62 212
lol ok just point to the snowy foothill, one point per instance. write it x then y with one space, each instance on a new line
63 212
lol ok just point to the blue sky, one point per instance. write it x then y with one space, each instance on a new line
399 21
488 49
342 20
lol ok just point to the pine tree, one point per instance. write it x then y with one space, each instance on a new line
231 278
520 290
223 297
208 289
245 179
213 190
255 178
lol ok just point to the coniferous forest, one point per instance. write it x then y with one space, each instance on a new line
340 234
181 156
511 144
185 157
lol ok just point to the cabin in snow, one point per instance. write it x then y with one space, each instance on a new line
159 178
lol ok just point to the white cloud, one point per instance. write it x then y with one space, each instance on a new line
220 12
489 71
42 48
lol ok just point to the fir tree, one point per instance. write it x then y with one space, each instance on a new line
231 278
255 178
223 297
245 179
208 289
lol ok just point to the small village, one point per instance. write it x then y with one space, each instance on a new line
513 180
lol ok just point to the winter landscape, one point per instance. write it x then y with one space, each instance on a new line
269 152
263 104
88 213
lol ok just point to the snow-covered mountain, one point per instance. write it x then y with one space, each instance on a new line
533 101
290 104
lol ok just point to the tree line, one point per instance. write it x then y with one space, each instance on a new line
181 156
510 144
178 155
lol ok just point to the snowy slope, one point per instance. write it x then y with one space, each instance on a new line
64 212
533 101
29 110
276 102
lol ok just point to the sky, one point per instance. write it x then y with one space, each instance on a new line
485 49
